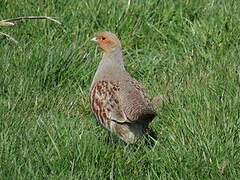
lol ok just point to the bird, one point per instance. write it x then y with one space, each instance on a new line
118 101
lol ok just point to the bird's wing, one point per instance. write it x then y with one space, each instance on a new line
105 102
134 101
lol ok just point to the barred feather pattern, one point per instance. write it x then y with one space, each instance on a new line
143 93
106 105
103 100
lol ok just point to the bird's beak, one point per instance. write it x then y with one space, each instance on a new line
94 39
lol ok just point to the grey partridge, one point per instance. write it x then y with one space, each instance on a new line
118 101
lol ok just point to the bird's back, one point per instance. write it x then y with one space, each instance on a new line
134 100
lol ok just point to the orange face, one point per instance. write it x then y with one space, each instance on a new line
107 41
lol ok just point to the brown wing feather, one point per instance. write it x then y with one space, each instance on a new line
135 103
105 102
121 102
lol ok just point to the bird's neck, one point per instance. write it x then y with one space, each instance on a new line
110 65
112 61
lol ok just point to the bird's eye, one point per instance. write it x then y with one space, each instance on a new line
103 38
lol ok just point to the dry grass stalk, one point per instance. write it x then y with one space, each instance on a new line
9 37
9 22
2 23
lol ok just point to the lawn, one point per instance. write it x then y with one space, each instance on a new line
188 50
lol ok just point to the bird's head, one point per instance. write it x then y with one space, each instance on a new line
107 41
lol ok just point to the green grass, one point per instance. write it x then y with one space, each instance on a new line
189 50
